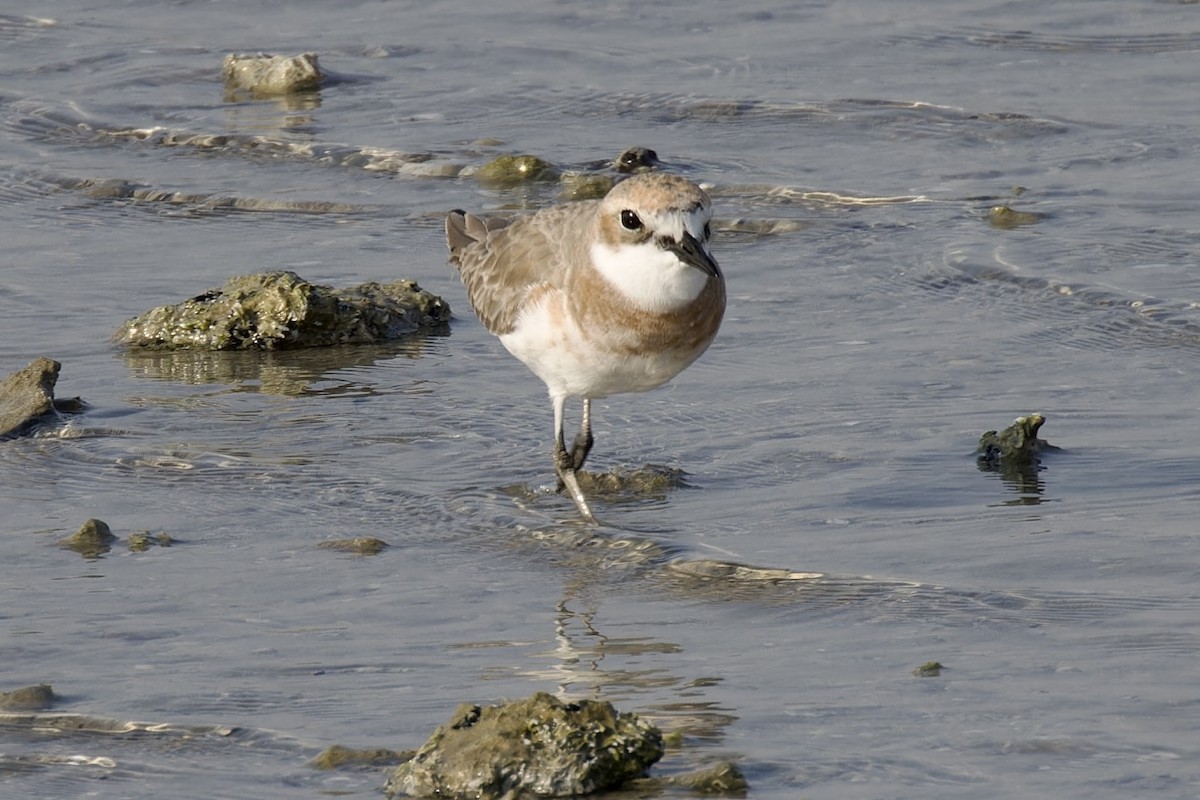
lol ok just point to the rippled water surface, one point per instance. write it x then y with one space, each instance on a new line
833 531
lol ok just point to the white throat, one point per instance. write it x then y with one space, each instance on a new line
651 278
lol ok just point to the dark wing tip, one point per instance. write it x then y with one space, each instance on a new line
457 236
463 229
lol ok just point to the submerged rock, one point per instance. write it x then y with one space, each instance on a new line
265 74
189 203
28 698
1006 218
537 747
27 396
723 778
505 171
930 669
1014 454
360 545
1016 444
585 185
276 310
337 757
650 482
93 539
653 480
142 541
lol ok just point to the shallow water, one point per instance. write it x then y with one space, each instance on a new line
877 325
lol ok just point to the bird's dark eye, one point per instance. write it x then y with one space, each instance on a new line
630 221
707 231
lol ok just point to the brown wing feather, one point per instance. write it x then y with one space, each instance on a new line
504 262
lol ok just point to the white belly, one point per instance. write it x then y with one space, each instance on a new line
576 363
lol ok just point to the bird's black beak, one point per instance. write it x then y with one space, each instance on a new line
692 253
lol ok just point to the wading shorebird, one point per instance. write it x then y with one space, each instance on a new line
597 297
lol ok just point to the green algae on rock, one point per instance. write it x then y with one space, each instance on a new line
142 541
1016 444
585 185
537 747
1006 218
653 480
359 545
337 757
264 74
27 397
93 539
28 698
505 171
277 310
723 778
930 669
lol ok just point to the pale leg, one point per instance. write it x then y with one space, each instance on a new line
584 439
564 462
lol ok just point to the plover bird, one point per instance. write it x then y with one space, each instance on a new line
596 297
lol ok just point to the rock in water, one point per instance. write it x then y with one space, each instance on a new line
277 310
93 539
28 394
265 74
29 698
537 747
509 171
1016 444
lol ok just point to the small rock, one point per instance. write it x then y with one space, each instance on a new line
539 747
1006 218
267 74
649 480
360 545
723 778
91 540
585 185
507 171
27 396
29 698
336 757
1016 444
930 669
142 541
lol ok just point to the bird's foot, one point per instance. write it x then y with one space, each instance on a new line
564 465
580 448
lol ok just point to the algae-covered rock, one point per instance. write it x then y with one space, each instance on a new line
723 778
505 171
1006 218
276 310
598 177
585 185
537 747
92 539
337 757
653 480
360 545
142 541
930 669
1016 444
28 698
265 74
27 396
